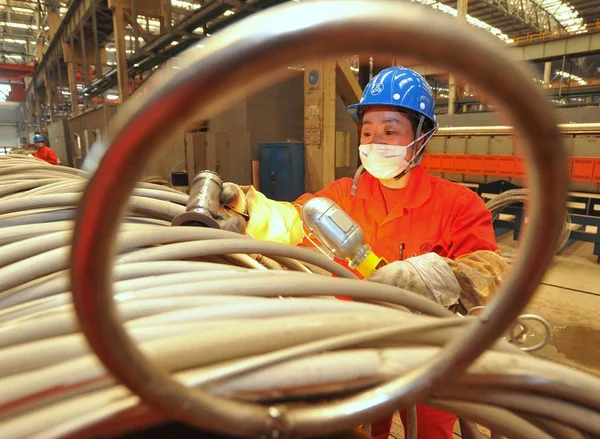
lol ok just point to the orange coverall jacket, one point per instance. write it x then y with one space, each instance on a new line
429 215
47 154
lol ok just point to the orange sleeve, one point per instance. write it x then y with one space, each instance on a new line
471 229
338 192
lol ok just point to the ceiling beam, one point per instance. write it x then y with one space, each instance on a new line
527 12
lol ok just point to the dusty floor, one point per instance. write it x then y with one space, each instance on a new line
569 299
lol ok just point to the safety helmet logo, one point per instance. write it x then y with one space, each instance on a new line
377 89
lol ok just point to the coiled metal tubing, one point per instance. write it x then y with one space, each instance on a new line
211 354
245 58
174 283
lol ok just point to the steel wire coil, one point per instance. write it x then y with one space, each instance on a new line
228 345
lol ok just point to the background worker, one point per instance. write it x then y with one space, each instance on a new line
439 234
43 151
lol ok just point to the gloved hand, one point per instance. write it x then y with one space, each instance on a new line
479 275
428 275
473 278
234 197
267 220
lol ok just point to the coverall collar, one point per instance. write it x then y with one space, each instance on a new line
415 194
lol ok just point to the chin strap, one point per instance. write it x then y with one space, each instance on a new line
413 161
355 181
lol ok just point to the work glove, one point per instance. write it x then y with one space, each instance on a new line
472 279
479 275
428 275
266 219
233 197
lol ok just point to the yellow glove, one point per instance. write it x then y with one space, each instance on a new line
267 220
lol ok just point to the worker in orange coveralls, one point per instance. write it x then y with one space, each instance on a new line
44 152
437 235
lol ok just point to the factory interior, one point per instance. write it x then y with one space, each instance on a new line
189 247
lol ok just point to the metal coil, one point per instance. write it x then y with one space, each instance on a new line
243 59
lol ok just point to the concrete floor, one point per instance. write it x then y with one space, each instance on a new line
569 299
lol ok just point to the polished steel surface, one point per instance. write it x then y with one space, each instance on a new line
333 227
203 203
205 194
245 58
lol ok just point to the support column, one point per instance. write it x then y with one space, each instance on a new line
134 15
465 94
380 63
319 124
364 71
451 94
84 57
168 16
121 51
547 74
49 96
69 59
38 111
347 87
564 60
461 16
97 58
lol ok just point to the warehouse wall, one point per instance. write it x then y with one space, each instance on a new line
9 133
277 113
59 140
349 155
88 127
171 158
564 115
231 142
273 115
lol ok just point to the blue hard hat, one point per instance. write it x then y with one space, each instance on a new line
402 88
38 138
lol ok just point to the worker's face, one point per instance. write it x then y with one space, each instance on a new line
387 126
38 145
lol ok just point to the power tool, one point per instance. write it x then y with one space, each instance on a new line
339 234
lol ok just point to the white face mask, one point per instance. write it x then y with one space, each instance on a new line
384 161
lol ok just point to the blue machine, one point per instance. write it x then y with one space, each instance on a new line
281 174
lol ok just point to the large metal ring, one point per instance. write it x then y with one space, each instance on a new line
245 58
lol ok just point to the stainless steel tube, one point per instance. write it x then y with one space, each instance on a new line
243 59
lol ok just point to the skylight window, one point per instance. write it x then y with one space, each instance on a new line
185 5
470 19
564 13
571 77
